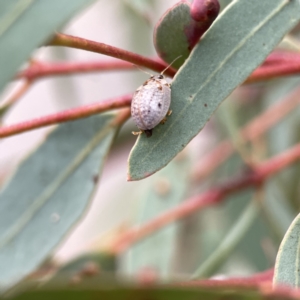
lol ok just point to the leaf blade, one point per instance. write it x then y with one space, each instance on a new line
25 25
198 88
287 266
46 197
162 192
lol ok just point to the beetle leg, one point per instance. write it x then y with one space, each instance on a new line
137 132
164 120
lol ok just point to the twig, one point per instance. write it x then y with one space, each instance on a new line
277 64
43 69
209 198
275 70
15 97
251 131
281 56
83 44
66 116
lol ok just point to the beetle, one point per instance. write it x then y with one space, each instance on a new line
151 102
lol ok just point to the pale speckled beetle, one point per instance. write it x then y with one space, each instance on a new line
151 102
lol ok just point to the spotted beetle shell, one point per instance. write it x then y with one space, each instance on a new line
151 102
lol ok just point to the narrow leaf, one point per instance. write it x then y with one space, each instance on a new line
164 191
49 193
232 48
287 266
26 25
229 243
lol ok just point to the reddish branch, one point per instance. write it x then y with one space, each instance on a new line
66 116
16 96
282 56
272 71
253 130
277 64
43 69
80 43
211 197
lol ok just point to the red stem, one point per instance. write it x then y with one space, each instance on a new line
281 56
50 69
80 43
253 130
276 63
16 96
273 71
267 71
66 116
211 197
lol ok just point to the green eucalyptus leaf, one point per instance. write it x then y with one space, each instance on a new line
169 38
232 48
26 25
49 193
229 242
161 193
181 27
287 266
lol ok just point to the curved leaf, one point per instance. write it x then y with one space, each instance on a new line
169 38
181 27
27 24
49 193
287 266
232 48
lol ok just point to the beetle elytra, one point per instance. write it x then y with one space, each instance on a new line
151 102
